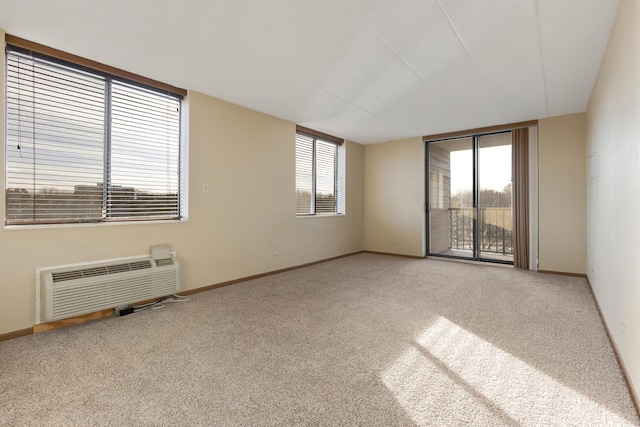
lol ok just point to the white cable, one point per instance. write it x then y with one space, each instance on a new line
160 303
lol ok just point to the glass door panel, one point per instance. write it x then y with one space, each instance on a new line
451 212
495 224
469 203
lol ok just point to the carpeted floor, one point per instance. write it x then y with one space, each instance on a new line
363 340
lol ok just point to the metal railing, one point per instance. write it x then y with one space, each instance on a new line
495 228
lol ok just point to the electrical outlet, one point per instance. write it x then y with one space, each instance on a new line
276 254
123 310
205 188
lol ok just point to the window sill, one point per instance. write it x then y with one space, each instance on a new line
91 224
331 215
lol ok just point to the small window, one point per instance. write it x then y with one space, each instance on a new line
319 173
86 146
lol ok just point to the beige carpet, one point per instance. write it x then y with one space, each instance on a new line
364 340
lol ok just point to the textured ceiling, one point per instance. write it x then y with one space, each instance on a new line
365 70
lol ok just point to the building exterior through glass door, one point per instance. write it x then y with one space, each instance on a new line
469 198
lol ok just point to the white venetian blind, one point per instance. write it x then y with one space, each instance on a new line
304 175
145 153
326 177
83 146
317 189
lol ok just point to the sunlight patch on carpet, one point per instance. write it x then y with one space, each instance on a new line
453 376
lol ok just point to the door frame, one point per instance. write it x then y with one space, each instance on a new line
475 192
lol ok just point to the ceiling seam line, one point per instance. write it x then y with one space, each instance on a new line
475 64
358 76
357 106
544 72
442 98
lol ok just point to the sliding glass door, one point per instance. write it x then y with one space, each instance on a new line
494 197
469 201
451 203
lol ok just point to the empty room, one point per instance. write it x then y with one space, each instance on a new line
379 213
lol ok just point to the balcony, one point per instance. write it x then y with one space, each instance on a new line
495 233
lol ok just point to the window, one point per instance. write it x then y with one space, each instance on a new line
83 145
319 173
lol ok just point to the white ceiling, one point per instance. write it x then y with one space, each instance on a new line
365 70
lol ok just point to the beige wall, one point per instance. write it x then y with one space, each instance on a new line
394 197
394 208
247 159
613 177
562 194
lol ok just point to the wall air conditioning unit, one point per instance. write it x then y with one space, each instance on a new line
73 290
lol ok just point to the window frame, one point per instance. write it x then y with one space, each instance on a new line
339 172
112 76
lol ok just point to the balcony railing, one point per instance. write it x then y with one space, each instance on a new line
495 228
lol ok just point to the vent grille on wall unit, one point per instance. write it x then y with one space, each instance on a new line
72 291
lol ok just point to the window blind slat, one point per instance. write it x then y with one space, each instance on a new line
316 175
326 156
138 145
56 146
304 174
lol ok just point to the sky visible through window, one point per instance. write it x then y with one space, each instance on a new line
495 166
56 136
83 145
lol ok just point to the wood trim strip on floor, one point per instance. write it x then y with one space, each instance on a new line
562 273
42 327
261 275
469 261
391 254
16 334
634 393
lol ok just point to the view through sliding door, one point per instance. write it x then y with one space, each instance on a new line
469 200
